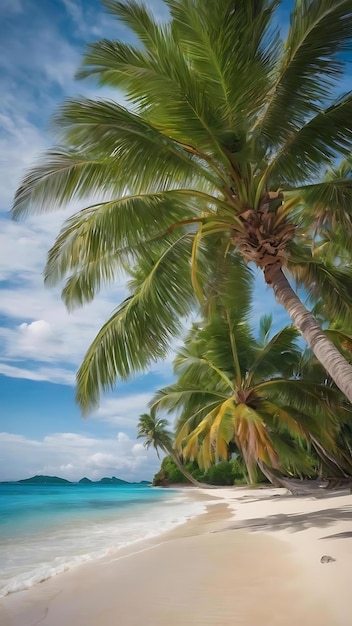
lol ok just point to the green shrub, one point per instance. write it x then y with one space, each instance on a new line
219 474
222 473
168 473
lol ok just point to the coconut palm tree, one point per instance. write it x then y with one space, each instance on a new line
155 433
234 389
231 142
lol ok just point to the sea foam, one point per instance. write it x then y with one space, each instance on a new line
31 553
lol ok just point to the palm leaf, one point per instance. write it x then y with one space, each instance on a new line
320 30
140 329
315 144
323 280
151 77
233 68
103 233
279 354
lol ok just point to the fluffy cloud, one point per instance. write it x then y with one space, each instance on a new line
73 456
124 411
38 325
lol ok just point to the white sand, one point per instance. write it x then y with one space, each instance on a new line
253 559
313 526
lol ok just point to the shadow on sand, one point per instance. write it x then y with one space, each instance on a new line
297 522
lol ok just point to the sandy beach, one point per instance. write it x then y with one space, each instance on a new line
253 558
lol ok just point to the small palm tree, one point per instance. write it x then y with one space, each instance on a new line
156 434
234 389
230 144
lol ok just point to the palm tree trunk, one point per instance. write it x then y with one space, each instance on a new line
277 480
325 351
324 454
183 470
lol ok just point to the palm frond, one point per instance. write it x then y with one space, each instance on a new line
155 432
327 205
301 395
320 30
293 458
116 230
234 68
198 367
316 144
140 329
265 326
107 139
105 127
177 397
342 340
280 354
61 176
149 77
139 19
323 280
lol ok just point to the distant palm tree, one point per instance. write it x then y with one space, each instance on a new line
234 389
230 144
154 432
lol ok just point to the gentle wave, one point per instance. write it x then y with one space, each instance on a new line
30 559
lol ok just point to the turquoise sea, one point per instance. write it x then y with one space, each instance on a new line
47 529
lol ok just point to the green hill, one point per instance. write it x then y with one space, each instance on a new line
45 480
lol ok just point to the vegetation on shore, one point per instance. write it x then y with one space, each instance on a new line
224 473
259 398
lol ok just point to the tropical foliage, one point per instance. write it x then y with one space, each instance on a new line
234 141
155 433
255 396
223 473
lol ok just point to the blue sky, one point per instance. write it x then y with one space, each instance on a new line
41 345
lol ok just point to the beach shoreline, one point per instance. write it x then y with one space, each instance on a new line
253 557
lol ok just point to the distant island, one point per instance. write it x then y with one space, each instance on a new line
56 480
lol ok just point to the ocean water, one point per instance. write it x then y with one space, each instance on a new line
47 529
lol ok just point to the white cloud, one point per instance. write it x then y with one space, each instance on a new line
74 10
66 337
39 327
37 331
90 23
73 456
20 144
123 411
49 374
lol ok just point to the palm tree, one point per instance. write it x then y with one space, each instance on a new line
230 145
155 433
234 389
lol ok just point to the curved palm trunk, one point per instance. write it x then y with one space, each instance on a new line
186 474
325 351
182 468
324 454
277 480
